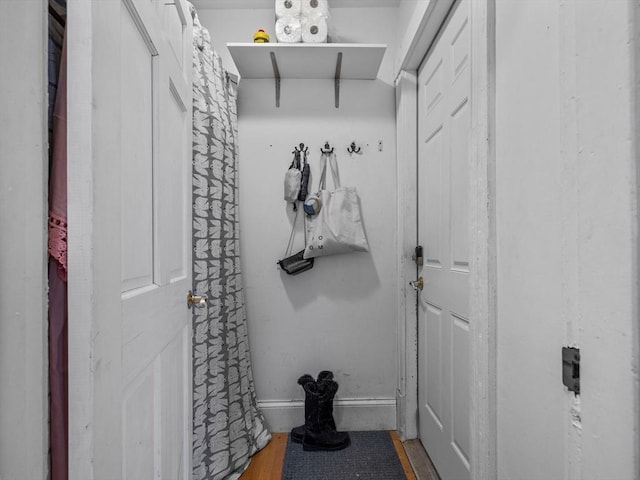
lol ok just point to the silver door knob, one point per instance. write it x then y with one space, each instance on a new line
199 301
417 285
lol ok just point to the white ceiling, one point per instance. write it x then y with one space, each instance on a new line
246 4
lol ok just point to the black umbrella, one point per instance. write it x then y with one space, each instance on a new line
304 182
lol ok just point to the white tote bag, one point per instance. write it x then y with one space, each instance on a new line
337 228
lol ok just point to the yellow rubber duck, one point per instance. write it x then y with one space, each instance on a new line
261 37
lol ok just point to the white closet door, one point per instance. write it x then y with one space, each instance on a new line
444 132
136 227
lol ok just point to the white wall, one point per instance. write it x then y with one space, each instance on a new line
605 231
341 315
567 241
23 197
530 325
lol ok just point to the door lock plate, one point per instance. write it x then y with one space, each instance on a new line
417 256
571 369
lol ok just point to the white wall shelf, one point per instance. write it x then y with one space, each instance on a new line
340 61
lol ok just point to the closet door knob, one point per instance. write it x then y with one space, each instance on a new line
199 301
417 285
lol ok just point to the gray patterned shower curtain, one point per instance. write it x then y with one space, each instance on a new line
228 427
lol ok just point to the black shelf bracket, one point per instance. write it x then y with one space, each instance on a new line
276 76
337 79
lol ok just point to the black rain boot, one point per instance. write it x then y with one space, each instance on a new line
297 433
326 375
320 435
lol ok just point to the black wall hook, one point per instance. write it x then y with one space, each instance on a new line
327 148
301 149
352 148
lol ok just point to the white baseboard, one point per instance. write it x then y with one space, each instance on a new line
351 414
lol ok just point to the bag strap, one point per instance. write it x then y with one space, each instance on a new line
333 165
293 234
334 169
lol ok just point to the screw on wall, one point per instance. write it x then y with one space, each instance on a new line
379 145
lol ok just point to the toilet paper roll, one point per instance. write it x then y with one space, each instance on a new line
290 8
288 30
314 29
315 8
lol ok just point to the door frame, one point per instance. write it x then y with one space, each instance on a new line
24 186
482 231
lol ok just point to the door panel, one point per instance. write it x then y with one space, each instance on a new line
431 211
139 416
172 200
136 132
443 218
433 352
460 121
173 359
460 388
174 23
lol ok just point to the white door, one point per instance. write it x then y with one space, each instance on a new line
139 224
443 314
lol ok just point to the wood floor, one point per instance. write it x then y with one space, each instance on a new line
267 463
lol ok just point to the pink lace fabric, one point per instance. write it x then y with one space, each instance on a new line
57 244
58 291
